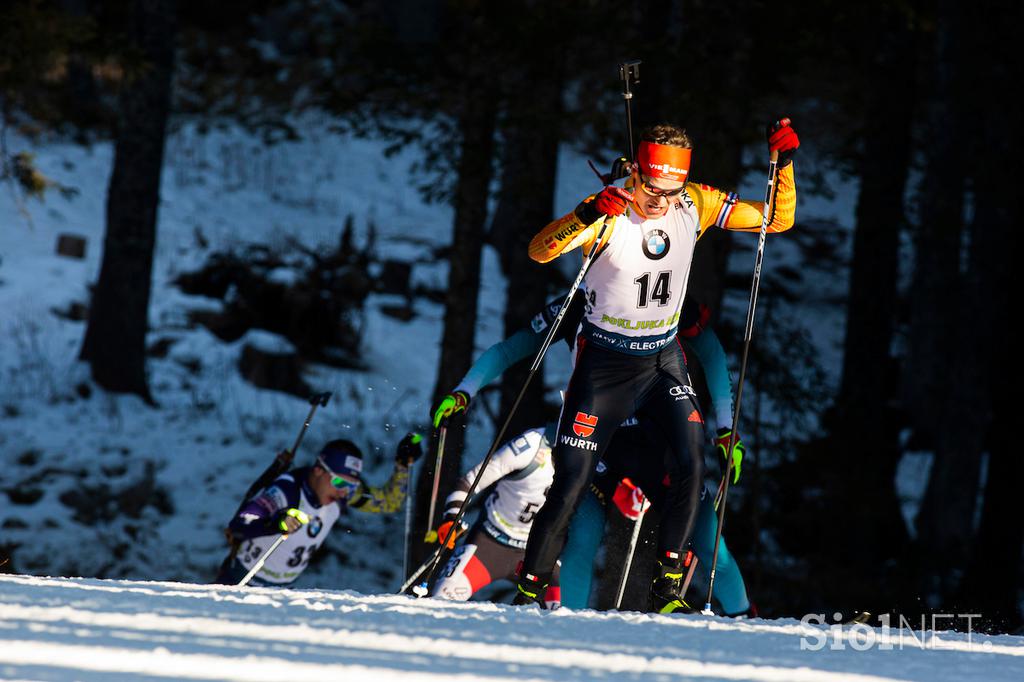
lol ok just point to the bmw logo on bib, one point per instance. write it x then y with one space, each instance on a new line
316 524
656 244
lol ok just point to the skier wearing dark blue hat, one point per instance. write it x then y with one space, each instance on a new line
304 503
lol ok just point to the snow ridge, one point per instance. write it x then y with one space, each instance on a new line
59 628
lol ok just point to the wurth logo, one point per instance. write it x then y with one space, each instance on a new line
566 232
580 443
585 423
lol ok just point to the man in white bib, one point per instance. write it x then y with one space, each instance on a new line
303 505
628 360
520 472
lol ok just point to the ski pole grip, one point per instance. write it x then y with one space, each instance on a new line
629 70
320 399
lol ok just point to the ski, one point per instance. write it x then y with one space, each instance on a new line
860 618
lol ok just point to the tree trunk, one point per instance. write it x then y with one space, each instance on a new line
992 582
936 278
476 126
716 127
865 443
115 338
944 397
525 204
991 585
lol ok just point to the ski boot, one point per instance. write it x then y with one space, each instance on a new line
667 590
530 591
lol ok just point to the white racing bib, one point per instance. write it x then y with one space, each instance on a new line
290 558
514 503
635 289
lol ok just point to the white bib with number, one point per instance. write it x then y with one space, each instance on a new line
636 287
290 558
515 501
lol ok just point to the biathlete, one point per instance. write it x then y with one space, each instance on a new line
521 473
628 360
621 461
304 505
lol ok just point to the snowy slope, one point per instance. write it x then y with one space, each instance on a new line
213 432
63 457
60 629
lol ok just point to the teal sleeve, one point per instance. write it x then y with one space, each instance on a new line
498 358
712 358
730 590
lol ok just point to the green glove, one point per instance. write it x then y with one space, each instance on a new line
290 520
450 405
738 450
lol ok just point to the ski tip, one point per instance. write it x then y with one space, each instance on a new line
860 618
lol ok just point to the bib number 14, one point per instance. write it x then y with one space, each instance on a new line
661 292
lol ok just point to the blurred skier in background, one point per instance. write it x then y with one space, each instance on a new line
304 505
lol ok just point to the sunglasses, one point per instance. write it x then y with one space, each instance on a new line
339 481
657 191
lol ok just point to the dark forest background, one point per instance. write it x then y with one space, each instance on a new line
903 96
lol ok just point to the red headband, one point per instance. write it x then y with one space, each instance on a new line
663 161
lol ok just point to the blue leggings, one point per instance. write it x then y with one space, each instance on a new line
585 536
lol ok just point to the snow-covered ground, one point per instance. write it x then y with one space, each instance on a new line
63 456
63 453
62 629
102 485
213 432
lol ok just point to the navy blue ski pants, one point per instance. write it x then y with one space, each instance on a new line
606 387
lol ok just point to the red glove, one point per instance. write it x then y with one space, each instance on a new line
630 500
782 139
611 201
448 531
693 319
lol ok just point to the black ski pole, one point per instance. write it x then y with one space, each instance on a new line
284 460
747 335
537 360
629 559
316 400
411 580
281 462
628 71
